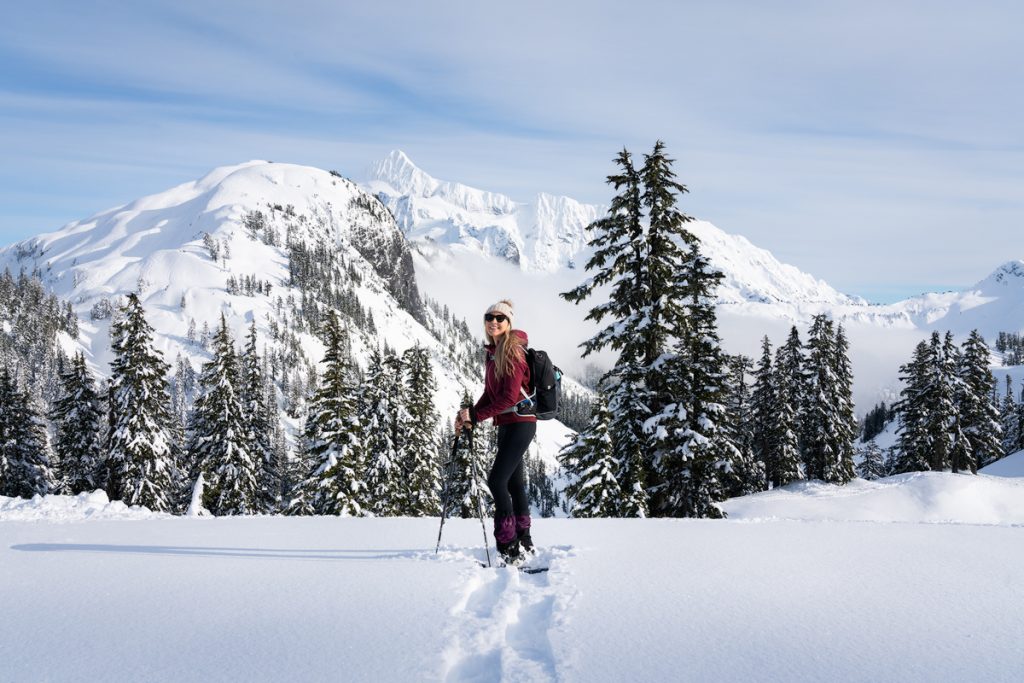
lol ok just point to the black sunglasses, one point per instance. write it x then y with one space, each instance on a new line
488 317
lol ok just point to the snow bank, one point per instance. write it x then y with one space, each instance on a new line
1010 466
936 497
93 505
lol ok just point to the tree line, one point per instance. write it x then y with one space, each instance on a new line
948 417
677 429
214 442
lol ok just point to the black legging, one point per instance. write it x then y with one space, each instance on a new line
506 480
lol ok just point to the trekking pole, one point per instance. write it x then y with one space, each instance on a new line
445 492
479 503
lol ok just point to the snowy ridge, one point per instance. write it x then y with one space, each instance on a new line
1010 466
84 506
922 497
159 246
542 236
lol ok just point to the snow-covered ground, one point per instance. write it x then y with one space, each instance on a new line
1010 466
789 588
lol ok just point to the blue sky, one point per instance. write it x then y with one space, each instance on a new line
878 146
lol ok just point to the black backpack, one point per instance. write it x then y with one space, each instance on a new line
545 387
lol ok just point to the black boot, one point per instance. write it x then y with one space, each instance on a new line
525 542
510 552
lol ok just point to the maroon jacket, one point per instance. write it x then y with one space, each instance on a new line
502 394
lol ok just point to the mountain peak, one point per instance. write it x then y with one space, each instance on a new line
1010 274
399 171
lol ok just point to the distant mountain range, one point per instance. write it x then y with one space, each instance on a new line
548 236
399 233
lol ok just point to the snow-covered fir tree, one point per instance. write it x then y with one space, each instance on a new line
692 448
79 418
842 469
746 473
872 465
951 450
220 440
140 468
386 424
930 432
620 261
979 417
593 490
912 411
627 404
827 424
259 416
660 320
790 387
764 410
331 463
1008 419
420 456
464 474
25 455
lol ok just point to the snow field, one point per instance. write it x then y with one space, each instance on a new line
791 588
934 497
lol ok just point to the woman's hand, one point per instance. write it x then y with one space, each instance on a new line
461 420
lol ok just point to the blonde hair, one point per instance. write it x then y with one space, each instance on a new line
508 347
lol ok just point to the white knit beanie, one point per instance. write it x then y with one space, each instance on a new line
504 307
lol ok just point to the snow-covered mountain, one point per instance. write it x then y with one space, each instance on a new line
549 235
541 236
277 244
402 233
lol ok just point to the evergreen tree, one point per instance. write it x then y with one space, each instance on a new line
944 422
629 411
764 412
330 477
1008 418
590 466
420 453
790 389
930 432
914 441
386 426
746 473
669 270
692 448
25 455
841 469
872 465
828 423
220 439
78 415
259 417
620 262
465 475
140 466
979 417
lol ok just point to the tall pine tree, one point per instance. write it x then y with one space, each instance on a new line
79 419
140 467
331 464
25 455
220 440
979 417
421 460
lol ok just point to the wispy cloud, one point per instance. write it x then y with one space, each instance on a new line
876 145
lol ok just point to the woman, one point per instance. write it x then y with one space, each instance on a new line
506 383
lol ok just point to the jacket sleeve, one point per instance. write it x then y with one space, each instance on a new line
482 404
507 395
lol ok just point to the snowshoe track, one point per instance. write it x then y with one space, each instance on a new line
501 624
